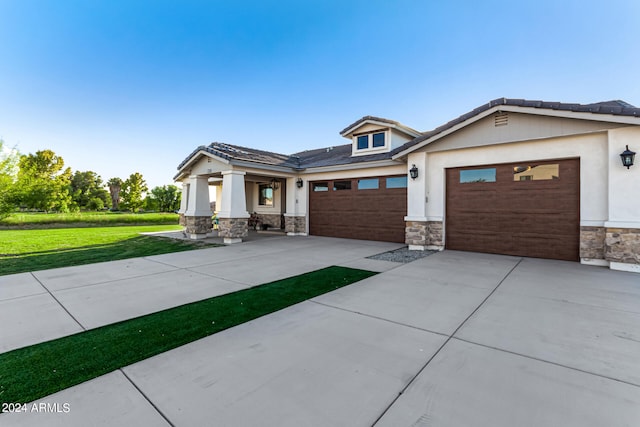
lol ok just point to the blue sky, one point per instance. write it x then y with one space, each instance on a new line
134 86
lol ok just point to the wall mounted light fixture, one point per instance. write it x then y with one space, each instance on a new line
299 183
627 157
275 184
413 172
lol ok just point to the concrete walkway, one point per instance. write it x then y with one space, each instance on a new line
454 339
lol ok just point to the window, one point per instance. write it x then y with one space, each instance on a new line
363 142
368 184
478 175
378 140
265 196
397 182
341 185
536 172
320 186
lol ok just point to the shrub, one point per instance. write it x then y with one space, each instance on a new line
95 204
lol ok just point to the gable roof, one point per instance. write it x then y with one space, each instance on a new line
328 156
379 120
611 108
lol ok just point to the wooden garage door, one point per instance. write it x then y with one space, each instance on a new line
527 209
365 208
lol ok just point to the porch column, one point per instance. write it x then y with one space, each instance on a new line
421 232
197 217
295 219
183 202
233 217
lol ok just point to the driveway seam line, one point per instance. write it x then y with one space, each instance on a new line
114 280
146 398
379 318
547 361
59 303
412 380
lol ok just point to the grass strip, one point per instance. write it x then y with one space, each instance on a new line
32 372
33 250
85 219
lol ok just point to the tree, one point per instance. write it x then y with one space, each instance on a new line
9 159
132 191
42 183
86 186
167 198
115 185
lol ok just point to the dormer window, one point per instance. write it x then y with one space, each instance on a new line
363 142
378 140
374 140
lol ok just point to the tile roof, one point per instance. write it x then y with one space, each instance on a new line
615 107
341 154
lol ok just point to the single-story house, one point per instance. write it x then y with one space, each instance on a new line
517 177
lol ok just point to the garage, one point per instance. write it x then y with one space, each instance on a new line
529 209
359 208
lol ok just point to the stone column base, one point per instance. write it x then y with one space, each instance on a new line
197 227
622 248
233 229
592 245
181 220
295 225
424 235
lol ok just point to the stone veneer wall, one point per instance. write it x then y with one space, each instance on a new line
424 233
181 220
592 242
622 245
274 220
233 228
197 224
295 224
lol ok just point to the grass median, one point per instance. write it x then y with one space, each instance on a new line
30 373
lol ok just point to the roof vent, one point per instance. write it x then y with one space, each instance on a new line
501 119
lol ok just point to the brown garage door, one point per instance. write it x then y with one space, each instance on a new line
527 209
365 208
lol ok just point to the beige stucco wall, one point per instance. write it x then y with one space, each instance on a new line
624 184
521 127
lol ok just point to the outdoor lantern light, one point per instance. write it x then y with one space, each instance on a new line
413 172
627 157
275 184
299 182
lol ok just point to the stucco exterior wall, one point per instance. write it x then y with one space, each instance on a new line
520 127
624 184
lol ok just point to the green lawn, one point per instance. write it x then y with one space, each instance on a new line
40 249
86 219
36 371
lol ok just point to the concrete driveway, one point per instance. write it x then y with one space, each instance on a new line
453 339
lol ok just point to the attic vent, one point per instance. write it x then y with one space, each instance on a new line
501 119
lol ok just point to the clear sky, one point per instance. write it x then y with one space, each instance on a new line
135 86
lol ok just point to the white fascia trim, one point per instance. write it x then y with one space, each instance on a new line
416 218
351 166
596 117
194 159
622 224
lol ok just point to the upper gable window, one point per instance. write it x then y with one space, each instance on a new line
363 142
372 140
378 140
